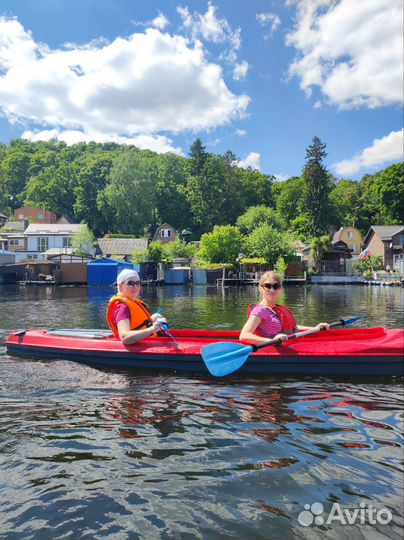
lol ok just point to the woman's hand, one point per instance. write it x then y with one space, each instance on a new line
323 326
158 323
280 337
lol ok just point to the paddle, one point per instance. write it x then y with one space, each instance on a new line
222 358
165 329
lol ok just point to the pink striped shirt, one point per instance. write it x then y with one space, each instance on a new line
270 324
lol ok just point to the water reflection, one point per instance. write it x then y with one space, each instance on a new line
89 453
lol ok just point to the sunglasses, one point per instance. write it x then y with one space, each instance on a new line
269 286
133 283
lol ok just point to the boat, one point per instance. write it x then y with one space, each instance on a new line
359 351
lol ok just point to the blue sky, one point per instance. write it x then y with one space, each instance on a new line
260 78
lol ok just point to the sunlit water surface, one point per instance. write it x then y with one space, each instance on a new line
88 453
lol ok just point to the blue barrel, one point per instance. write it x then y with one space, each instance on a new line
175 276
199 276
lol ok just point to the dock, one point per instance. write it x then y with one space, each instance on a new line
240 281
38 282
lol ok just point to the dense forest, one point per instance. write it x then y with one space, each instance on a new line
123 190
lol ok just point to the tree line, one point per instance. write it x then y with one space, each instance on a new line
120 189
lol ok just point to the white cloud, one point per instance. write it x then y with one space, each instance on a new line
240 70
384 150
351 50
160 21
252 160
281 177
209 27
240 132
156 143
269 19
141 85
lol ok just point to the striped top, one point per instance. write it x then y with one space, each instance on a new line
270 324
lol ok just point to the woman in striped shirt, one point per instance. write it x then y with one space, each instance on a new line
269 320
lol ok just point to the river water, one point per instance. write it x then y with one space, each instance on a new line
92 454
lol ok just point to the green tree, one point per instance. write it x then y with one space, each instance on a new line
83 241
256 188
300 225
268 243
316 187
319 246
281 266
389 187
206 195
256 216
154 253
129 197
370 264
171 203
53 189
289 198
345 203
178 248
15 171
197 157
92 177
222 245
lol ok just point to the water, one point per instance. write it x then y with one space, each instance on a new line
88 453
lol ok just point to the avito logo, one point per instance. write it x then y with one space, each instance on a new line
313 514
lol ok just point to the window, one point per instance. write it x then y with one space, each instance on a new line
21 216
43 243
39 216
165 233
350 234
13 242
67 241
353 246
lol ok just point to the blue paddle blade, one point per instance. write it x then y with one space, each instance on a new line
352 319
223 358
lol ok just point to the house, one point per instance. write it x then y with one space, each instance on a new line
165 234
334 261
12 238
352 238
45 236
388 242
34 215
121 247
3 219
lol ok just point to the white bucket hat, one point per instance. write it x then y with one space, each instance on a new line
125 275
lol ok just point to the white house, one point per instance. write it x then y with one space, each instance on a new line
42 237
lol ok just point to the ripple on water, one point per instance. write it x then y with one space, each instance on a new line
86 453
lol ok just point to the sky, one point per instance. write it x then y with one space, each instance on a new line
258 77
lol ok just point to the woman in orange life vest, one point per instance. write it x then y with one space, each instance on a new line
269 319
128 317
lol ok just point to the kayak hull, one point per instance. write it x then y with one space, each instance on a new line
364 352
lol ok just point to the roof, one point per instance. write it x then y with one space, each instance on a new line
163 226
385 232
59 251
54 228
4 252
121 246
338 234
16 226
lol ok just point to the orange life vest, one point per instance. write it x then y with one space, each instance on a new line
139 314
284 314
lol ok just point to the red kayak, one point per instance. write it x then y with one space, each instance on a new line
359 351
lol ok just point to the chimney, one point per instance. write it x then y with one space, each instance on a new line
26 223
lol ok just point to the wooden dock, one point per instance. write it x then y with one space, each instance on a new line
254 281
38 282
